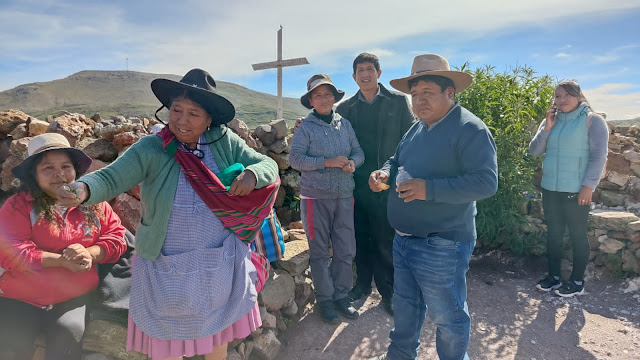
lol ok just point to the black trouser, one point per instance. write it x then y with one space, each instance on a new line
63 327
561 209
374 243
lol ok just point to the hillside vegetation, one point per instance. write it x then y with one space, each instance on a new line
628 122
128 93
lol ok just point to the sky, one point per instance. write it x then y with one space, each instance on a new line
596 42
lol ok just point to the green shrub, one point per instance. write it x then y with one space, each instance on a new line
512 104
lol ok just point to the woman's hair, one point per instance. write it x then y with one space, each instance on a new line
43 203
573 88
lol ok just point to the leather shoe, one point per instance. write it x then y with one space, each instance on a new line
358 292
387 305
328 312
346 309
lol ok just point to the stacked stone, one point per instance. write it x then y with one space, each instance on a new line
614 237
289 290
287 296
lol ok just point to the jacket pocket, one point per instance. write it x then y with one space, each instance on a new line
188 283
217 273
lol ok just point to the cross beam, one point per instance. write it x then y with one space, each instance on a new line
279 64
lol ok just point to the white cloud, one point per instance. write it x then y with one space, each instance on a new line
601 59
226 37
561 55
244 32
613 54
619 100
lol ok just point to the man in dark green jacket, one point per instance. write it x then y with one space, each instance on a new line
379 118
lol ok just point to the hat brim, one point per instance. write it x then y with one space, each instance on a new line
337 94
461 80
220 109
81 161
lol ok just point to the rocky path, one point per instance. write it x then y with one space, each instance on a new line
510 320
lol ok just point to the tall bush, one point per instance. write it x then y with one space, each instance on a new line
512 104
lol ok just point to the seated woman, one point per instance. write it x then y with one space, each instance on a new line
193 287
48 253
326 151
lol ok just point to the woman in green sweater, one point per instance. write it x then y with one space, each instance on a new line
194 284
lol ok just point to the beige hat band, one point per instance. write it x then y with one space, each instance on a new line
318 81
48 146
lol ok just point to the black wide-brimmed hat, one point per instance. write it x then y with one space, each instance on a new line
200 83
46 142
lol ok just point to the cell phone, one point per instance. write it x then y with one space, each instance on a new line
555 111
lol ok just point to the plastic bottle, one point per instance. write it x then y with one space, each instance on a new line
402 175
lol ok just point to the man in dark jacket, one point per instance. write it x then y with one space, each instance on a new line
379 118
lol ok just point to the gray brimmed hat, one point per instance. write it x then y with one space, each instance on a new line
201 83
51 141
432 64
315 81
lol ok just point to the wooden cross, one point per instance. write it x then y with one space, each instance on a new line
279 64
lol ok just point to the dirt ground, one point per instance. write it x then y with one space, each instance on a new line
510 319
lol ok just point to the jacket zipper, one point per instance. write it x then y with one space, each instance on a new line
558 155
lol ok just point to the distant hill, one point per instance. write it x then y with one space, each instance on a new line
128 93
628 122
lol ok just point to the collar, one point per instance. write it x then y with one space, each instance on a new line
379 93
429 128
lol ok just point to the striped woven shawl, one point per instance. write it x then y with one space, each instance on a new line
243 215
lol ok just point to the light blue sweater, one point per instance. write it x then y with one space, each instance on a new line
566 168
316 141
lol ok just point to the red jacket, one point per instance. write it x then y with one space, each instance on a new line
23 238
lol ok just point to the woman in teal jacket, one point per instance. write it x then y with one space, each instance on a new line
574 142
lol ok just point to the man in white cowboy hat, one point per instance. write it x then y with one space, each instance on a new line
444 164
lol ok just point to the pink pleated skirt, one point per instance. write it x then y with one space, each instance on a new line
158 349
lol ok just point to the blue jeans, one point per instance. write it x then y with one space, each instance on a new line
430 277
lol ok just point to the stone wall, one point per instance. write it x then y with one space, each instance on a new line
614 221
287 294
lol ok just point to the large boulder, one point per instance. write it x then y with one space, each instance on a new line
128 209
611 220
72 126
266 134
10 119
101 149
278 290
296 257
281 159
280 127
8 181
266 346
37 127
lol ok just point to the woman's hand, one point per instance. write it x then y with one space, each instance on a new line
76 267
350 167
73 194
584 196
551 117
336 162
76 252
76 258
243 184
